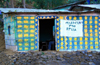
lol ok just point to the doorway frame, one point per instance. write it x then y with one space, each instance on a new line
47 17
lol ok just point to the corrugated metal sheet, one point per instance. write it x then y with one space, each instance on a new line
97 6
24 10
7 10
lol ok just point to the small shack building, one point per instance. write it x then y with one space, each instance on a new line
25 28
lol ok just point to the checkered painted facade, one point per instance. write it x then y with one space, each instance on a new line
27 37
90 39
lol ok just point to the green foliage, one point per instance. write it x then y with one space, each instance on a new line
46 4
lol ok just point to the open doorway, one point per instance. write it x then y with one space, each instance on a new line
46 34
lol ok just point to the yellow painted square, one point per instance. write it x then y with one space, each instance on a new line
62 47
90 30
75 18
91 43
96 43
26 44
19 21
32 44
99 28
25 35
85 30
80 18
85 17
96 30
80 38
96 34
32 48
70 39
96 22
91 47
85 26
86 43
32 31
91 39
31 26
58 45
96 26
31 17
20 44
19 30
86 39
25 40
25 21
81 47
99 32
90 26
96 47
99 19
86 47
70 17
96 17
81 43
25 26
58 41
61 43
31 35
70 43
90 22
32 39
19 40
70 47
25 31
61 17
86 34
91 34
19 26
75 43
25 17
20 48
19 35
75 39
85 22
26 48
99 24
31 21
19 17
75 47
90 17
61 39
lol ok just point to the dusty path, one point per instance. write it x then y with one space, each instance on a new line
8 57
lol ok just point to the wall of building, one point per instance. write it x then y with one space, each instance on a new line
89 40
9 39
25 32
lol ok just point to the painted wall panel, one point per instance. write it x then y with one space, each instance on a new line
9 21
25 33
90 39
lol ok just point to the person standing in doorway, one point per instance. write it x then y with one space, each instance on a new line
52 41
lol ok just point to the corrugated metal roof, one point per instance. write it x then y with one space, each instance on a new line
97 6
7 10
